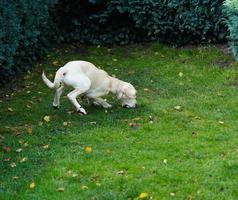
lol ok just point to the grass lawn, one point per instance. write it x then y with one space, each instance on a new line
180 143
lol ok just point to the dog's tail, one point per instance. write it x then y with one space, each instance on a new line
55 84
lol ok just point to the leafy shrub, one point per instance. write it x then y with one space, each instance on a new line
24 35
126 21
231 11
29 28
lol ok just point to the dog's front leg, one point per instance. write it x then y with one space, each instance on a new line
101 102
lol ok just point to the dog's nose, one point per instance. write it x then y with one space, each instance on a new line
125 106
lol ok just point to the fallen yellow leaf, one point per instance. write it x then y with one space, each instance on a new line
65 123
88 149
221 122
143 195
25 144
45 146
10 109
7 149
121 172
180 74
23 160
13 165
84 187
55 63
46 118
32 185
30 130
98 184
177 108
61 189
136 119
74 175
172 194
19 150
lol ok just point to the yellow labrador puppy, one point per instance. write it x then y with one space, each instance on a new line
92 82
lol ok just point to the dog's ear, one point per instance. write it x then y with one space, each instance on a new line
122 92
119 95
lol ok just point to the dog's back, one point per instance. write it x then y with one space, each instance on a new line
96 76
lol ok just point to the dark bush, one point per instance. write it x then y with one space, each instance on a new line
24 35
27 30
231 11
127 21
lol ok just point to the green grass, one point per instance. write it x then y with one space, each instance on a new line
172 154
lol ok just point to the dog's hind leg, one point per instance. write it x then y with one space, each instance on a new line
58 93
72 97
81 83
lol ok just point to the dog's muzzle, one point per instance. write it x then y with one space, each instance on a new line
127 106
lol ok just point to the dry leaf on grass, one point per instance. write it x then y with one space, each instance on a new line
121 172
46 146
32 185
172 194
55 63
46 118
7 149
84 187
180 74
133 125
88 149
143 195
136 119
178 108
221 122
19 150
65 123
29 130
23 160
13 165
7 159
10 109
25 144
60 189
98 184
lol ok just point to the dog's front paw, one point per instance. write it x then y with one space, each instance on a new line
107 105
82 110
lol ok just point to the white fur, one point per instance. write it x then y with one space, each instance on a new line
90 81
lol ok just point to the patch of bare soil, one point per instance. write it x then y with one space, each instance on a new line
223 63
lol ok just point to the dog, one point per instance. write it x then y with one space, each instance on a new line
89 81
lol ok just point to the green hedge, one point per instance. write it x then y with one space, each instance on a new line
128 21
28 28
25 35
231 11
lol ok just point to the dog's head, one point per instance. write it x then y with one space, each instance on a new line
127 95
